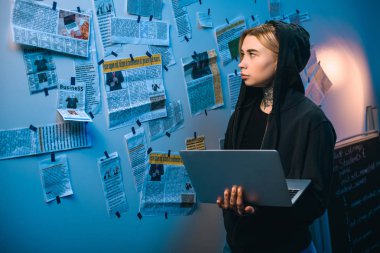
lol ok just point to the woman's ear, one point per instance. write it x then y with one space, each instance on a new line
275 64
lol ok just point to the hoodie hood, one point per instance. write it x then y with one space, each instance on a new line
294 53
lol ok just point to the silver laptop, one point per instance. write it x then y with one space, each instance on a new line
258 171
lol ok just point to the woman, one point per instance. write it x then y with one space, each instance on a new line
273 113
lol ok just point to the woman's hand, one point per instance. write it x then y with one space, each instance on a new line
234 200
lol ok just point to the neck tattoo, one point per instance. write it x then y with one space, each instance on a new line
268 96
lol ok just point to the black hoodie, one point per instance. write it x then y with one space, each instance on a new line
304 138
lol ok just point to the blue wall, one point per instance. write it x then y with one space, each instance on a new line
81 223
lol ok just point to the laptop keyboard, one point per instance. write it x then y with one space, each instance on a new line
293 192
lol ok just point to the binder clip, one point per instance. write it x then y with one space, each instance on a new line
227 21
186 38
138 19
166 68
106 154
133 131
58 199
118 214
167 134
195 135
101 62
33 128
208 11
169 151
130 55
91 115
150 17
148 54
72 80
166 213
78 9
149 151
114 54
138 123
139 216
205 112
52 157
46 92
54 6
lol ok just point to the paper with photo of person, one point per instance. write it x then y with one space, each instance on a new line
167 188
227 39
40 69
134 90
39 25
71 101
202 80
113 187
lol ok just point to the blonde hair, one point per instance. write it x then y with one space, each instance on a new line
266 34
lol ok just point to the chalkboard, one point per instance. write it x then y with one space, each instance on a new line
354 208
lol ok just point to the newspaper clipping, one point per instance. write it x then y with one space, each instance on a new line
112 182
138 157
166 54
55 177
145 8
127 30
169 124
182 21
167 187
197 143
234 83
202 79
104 11
227 39
319 86
87 71
71 101
294 17
40 25
40 69
135 90
204 20
44 139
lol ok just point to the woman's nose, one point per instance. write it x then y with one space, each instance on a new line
241 64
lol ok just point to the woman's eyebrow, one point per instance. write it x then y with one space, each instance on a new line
250 51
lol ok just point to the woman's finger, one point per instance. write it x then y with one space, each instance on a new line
249 209
233 197
219 202
226 201
240 200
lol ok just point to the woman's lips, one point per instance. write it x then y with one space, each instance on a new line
244 76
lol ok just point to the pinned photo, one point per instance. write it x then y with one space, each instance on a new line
73 25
